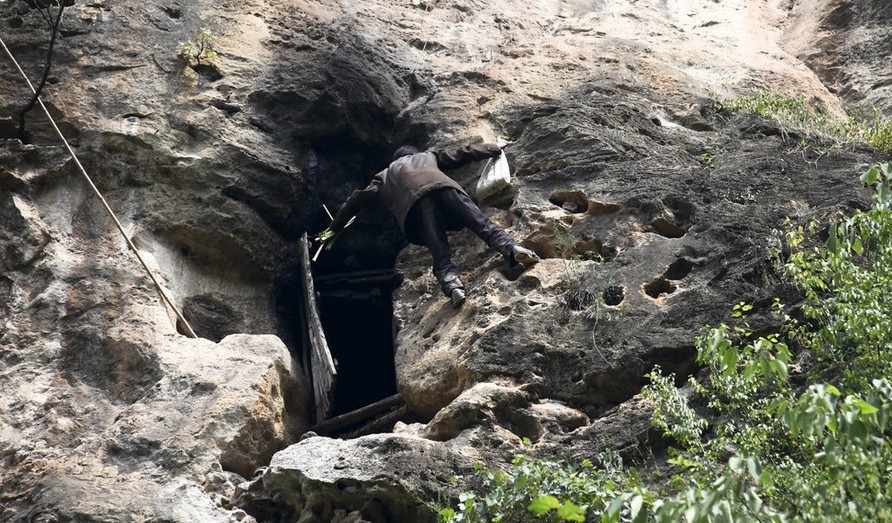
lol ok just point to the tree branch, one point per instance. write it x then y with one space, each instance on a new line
54 27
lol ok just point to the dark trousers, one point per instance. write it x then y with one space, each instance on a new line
445 210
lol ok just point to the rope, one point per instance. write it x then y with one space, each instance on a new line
108 209
427 9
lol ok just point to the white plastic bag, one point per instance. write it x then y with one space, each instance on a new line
495 177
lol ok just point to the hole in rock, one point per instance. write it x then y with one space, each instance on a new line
357 316
560 241
577 298
679 269
681 361
571 201
614 295
593 249
210 72
8 129
211 317
354 283
664 227
174 12
659 287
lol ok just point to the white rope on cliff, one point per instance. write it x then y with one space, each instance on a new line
108 209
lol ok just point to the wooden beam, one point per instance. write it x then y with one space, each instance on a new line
345 420
357 275
382 423
323 370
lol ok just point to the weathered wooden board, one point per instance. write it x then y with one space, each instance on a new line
321 366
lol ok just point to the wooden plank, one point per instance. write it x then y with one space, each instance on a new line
323 371
357 276
345 420
382 423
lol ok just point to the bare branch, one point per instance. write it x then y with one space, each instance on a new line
54 33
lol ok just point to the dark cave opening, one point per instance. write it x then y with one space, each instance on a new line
354 280
357 316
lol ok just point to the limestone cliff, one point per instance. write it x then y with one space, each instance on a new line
652 214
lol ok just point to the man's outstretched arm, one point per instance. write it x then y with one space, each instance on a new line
357 200
452 158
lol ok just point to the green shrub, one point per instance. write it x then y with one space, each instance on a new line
847 285
539 490
200 47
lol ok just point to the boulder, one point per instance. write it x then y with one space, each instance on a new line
214 415
375 478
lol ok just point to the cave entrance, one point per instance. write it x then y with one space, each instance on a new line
353 284
347 348
357 315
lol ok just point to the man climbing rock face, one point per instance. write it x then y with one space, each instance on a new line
426 204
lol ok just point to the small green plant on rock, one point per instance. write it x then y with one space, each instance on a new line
708 159
200 47
575 293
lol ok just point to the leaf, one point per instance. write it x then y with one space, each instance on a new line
856 246
832 240
883 193
636 504
730 359
543 504
569 511
780 367
752 466
614 507
866 408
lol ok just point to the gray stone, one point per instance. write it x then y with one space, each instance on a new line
380 477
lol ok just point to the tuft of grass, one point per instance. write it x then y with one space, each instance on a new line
794 112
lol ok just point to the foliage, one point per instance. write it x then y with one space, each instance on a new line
673 414
793 112
708 159
749 445
540 490
575 294
847 283
200 47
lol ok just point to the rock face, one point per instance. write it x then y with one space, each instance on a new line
847 44
652 213
209 415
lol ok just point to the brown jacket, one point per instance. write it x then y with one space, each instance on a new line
409 178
